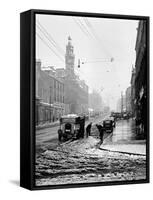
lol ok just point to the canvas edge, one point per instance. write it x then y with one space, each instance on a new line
29 181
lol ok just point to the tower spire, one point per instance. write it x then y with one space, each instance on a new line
69 56
69 38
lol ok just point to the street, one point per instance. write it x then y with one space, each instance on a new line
49 136
87 160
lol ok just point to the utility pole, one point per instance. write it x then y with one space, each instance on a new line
122 103
50 102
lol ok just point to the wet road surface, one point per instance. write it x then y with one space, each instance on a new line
124 139
124 132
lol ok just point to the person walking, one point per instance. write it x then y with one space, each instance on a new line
101 132
88 129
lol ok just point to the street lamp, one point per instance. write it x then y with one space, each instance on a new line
50 102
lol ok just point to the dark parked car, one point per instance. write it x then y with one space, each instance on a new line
108 125
126 116
113 120
71 126
116 115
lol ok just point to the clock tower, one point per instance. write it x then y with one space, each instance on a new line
69 57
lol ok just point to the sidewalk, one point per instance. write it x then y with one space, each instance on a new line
124 140
132 148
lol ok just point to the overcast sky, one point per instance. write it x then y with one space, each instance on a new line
95 41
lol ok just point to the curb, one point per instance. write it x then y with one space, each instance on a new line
136 154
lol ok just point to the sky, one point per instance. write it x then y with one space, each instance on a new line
96 41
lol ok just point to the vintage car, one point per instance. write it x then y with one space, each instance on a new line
113 120
108 125
126 116
116 115
71 127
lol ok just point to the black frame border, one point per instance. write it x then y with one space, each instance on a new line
27 98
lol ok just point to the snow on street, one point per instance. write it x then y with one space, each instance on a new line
81 161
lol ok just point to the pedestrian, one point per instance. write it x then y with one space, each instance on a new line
88 129
101 132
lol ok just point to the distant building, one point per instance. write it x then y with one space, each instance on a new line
133 101
76 90
121 104
69 58
49 95
59 91
128 99
118 105
95 101
60 73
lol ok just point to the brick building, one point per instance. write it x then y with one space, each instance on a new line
49 95
59 91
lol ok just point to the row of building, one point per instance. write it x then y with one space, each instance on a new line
135 99
139 79
124 102
59 91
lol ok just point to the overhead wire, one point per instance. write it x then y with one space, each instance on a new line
80 26
89 34
89 31
50 38
96 37
49 47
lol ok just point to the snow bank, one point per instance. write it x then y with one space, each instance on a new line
83 144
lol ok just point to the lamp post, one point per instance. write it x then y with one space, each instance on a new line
121 103
50 102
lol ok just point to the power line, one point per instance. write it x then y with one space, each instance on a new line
87 22
89 31
90 27
90 35
49 47
75 20
55 43
50 38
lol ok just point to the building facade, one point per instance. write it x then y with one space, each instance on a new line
121 104
128 100
133 102
76 90
95 101
49 95
141 78
59 91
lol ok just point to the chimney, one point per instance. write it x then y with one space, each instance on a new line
38 64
